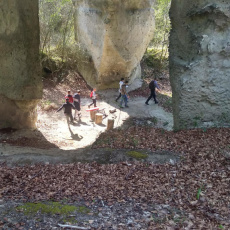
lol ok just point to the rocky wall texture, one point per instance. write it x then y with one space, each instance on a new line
200 62
112 37
20 79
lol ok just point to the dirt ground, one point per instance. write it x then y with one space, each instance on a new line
55 141
84 131
186 185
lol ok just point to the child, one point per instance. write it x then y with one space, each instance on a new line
124 96
67 110
69 96
120 84
94 98
77 104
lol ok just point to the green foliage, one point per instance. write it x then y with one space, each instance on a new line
51 208
137 155
162 22
204 129
196 121
56 27
156 55
153 58
198 193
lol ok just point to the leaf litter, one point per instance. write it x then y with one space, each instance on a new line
198 186
191 194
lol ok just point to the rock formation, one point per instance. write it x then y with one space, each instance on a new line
20 80
112 37
200 62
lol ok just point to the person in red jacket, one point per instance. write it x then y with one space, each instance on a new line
93 95
69 96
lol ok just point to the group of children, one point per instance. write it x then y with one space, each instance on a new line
74 102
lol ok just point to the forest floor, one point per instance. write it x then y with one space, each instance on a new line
73 143
140 175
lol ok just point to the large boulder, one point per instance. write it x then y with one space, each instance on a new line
200 62
20 78
112 37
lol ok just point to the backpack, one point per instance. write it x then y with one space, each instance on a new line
91 94
152 85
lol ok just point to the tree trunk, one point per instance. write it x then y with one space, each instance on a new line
98 119
92 114
110 124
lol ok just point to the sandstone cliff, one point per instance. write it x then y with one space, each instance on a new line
20 80
200 62
112 37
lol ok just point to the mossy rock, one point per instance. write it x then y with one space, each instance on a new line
51 208
137 155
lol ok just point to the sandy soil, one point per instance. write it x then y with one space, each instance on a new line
84 131
55 139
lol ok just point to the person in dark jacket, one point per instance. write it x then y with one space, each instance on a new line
67 110
152 86
77 104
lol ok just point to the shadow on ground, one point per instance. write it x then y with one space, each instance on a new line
101 156
56 142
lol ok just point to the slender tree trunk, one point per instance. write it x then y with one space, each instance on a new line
65 34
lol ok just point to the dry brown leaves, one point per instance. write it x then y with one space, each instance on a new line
189 141
72 80
199 185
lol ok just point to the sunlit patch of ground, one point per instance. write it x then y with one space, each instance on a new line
84 132
53 131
